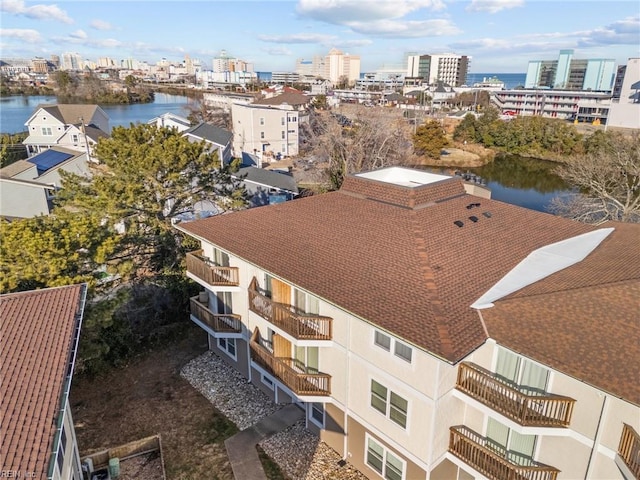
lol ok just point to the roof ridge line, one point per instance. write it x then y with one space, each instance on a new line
570 289
435 302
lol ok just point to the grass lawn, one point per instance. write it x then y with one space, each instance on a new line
148 397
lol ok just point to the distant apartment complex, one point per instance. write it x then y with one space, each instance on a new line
568 73
335 67
619 108
432 334
430 69
227 69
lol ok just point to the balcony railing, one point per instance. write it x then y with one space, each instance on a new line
212 274
288 371
476 451
629 449
528 410
303 326
218 322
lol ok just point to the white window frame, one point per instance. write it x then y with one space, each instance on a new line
268 381
225 348
385 453
393 342
46 131
261 120
388 406
314 420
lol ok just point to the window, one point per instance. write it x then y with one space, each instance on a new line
403 351
228 345
268 285
388 403
283 134
61 448
306 302
46 131
513 446
74 139
383 461
383 340
316 414
262 135
224 302
282 121
400 349
261 120
527 376
267 381
306 359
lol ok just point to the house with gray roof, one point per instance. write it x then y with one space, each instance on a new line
266 187
171 120
77 127
219 139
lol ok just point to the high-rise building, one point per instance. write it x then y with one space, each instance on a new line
448 68
335 67
624 110
71 61
568 73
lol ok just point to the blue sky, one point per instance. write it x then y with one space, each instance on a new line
499 35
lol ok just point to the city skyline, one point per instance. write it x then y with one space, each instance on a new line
498 35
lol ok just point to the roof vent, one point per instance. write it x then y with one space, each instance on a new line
458 223
487 214
473 218
472 205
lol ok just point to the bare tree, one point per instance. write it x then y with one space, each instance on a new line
201 112
607 178
367 140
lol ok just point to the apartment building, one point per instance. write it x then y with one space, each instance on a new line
430 69
564 104
431 334
335 66
269 127
624 110
569 73
40 332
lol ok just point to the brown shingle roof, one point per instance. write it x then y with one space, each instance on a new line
584 320
403 266
71 113
38 333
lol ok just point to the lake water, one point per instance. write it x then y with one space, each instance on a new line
521 181
16 110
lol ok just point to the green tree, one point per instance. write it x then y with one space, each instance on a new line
465 131
50 251
320 102
149 177
429 139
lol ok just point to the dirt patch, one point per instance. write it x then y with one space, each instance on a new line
149 397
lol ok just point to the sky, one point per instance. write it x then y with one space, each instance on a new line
500 36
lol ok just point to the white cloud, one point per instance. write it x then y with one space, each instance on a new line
79 34
277 51
352 43
406 28
38 12
493 6
340 12
23 34
101 25
297 38
622 32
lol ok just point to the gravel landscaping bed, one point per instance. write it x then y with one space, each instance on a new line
299 453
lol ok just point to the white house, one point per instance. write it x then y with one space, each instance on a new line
218 138
77 127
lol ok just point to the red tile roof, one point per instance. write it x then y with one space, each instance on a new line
38 334
584 320
397 261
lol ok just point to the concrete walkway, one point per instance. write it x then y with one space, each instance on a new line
241 447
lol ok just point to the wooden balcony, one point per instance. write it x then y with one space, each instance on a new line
476 451
528 410
287 370
629 449
219 323
212 274
303 326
